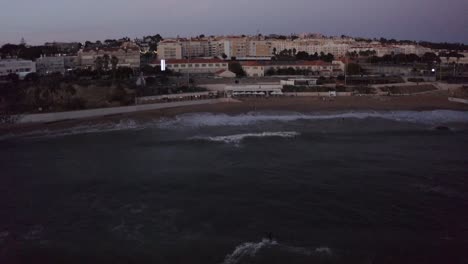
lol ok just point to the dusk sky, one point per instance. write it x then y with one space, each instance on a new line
67 20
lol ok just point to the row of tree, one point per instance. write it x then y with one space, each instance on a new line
428 57
26 52
292 54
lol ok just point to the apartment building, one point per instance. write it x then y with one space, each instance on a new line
18 66
169 49
128 56
259 48
200 66
195 48
238 47
311 46
50 64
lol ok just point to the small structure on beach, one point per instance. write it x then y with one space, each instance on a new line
253 90
300 81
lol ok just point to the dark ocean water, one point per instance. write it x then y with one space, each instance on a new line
365 187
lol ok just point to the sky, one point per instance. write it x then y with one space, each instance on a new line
71 20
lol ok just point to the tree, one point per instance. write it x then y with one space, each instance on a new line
430 57
302 55
147 69
114 61
274 51
98 63
270 72
354 69
32 77
105 61
236 68
224 56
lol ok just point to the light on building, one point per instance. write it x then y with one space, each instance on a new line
433 70
163 65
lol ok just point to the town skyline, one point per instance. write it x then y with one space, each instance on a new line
413 20
207 35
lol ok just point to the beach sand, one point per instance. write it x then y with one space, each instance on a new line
432 101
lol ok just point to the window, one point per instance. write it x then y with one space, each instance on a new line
217 64
197 65
210 65
203 65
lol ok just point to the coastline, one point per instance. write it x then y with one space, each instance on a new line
434 101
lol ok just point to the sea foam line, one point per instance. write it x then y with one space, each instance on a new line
248 250
210 119
237 138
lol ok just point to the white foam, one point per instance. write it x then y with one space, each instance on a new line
237 138
209 119
435 117
323 250
248 249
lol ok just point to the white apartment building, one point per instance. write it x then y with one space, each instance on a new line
169 49
413 49
18 66
311 46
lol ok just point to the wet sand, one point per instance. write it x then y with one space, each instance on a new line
433 101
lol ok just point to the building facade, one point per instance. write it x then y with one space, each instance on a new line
169 50
201 66
17 66
52 64
260 68
128 56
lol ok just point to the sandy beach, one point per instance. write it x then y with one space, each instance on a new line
433 101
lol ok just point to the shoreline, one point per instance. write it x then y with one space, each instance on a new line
427 102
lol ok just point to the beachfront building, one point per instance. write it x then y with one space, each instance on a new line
253 90
198 65
260 68
17 66
127 54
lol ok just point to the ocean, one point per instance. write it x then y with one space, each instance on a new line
260 187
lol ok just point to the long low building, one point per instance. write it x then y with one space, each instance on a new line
17 66
262 90
194 65
260 68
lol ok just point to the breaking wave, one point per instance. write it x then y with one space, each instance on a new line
196 120
248 250
208 119
126 124
236 139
